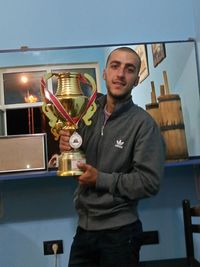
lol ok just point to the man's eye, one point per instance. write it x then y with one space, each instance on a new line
131 70
114 66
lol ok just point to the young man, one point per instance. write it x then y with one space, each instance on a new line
125 160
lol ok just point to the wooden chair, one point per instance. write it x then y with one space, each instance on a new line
190 228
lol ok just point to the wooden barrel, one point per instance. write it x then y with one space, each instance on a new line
172 126
153 110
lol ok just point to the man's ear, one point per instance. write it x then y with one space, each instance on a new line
104 74
137 81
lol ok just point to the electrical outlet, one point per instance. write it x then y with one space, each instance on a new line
47 246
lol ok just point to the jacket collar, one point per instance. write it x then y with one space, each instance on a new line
119 108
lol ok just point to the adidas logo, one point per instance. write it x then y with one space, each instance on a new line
119 144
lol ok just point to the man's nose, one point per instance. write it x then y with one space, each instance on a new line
121 72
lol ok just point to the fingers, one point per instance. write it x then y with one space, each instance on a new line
83 166
89 175
64 140
64 132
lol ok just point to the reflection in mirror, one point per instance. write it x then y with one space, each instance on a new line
21 87
175 59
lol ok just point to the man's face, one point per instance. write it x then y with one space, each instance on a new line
121 74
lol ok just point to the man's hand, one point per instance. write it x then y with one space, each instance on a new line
89 176
64 140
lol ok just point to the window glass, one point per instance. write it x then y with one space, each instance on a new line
22 87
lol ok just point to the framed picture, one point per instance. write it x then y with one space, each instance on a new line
158 52
144 70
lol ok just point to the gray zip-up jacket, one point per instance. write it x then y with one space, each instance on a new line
128 152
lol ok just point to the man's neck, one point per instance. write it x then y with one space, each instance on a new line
110 105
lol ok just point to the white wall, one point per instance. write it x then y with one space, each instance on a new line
196 9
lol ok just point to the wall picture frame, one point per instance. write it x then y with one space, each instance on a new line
144 70
158 52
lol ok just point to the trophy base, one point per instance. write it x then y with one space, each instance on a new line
67 163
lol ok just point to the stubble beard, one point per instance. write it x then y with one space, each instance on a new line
119 97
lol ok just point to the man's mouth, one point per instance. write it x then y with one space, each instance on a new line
119 83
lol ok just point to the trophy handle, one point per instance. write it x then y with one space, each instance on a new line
90 81
91 107
49 75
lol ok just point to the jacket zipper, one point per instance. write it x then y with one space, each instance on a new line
102 128
104 124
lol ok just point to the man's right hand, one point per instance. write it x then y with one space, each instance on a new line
64 140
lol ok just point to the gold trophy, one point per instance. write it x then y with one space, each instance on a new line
65 109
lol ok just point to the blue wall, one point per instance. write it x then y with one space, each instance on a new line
38 210
92 22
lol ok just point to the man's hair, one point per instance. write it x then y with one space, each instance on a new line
127 49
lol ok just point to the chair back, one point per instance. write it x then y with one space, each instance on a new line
189 226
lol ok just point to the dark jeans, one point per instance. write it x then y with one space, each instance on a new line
107 248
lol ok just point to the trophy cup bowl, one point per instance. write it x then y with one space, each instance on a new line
66 108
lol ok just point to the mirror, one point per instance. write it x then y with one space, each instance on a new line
177 59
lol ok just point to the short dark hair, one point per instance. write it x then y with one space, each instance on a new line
128 49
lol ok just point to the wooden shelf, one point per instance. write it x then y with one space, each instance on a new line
46 174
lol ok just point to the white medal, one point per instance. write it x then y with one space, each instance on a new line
75 140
